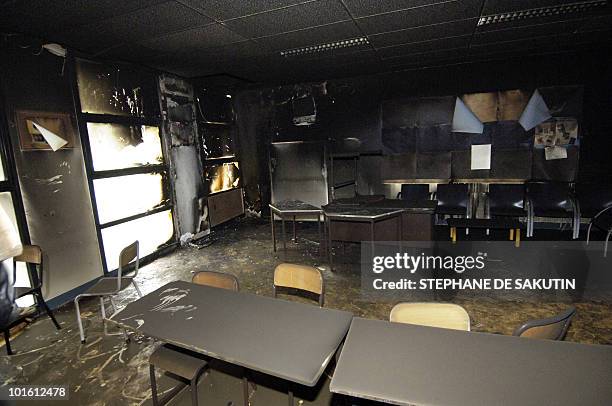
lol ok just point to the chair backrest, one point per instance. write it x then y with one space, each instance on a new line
443 315
593 198
32 254
415 192
126 256
453 198
549 195
216 280
502 197
553 328
301 277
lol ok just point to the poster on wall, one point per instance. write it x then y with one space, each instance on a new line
559 131
481 157
44 131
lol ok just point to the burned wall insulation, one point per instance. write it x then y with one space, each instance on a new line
53 184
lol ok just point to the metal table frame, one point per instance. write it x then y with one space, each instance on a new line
359 218
292 214
182 313
404 364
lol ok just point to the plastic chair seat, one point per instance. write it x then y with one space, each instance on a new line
108 285
21 291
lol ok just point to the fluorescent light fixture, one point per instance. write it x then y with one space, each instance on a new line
560 9
345 43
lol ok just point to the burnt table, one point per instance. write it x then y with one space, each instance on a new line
292 209
288 340
405 364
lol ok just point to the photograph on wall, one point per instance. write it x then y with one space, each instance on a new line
560 131
44 131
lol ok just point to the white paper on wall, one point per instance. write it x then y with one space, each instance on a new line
556 152
464 120
535 112
481 157
54 140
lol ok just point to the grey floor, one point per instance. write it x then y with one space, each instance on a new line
107 371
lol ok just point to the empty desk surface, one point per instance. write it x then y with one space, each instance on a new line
289 340
407 364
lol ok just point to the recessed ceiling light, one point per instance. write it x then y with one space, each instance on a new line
345 43
568 8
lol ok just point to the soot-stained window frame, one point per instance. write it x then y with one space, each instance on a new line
83 118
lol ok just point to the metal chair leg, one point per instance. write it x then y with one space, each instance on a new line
79 321
245 390
606 245
194 390
103 313
589 233
153 385
7 342
290 396
42 302
137 289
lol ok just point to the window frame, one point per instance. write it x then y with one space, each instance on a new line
163 169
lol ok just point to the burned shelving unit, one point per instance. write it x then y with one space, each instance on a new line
222 197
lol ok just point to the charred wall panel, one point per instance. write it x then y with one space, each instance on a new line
298 172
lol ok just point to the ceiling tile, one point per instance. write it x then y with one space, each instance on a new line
497 6
525 32
131 53
227 9
289 19
311 36
194 39
362 8
434 57
425 33
425 46
597 23
43 16
146 23
435 14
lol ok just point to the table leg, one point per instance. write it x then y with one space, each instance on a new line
273 231
294 233
245 389
517 240
511 234
319 233
454 234
290 396
284 234
330 254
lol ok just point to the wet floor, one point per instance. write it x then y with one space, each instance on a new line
108 371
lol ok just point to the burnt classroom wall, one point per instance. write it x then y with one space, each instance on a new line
348 110
53 184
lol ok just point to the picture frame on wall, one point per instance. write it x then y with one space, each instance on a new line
44 131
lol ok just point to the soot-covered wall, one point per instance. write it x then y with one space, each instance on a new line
53 184
349 111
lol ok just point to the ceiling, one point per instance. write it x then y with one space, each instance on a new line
244 38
